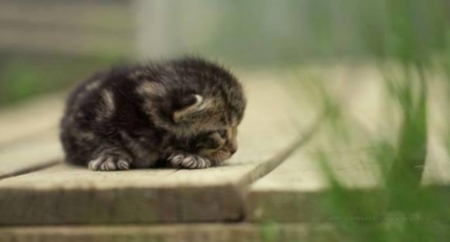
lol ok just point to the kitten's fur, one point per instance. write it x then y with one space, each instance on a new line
182 113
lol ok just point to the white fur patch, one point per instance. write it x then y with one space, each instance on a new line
199 99
200 104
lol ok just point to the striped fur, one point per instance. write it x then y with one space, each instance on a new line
182 113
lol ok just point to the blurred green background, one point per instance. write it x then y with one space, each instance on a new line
50 44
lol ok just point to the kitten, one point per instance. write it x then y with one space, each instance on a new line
182 113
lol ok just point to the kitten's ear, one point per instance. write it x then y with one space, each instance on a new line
190 105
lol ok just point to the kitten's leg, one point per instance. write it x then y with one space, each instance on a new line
110 160
188 161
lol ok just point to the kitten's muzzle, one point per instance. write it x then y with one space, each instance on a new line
232 147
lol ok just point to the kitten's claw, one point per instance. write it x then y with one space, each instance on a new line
123 165
110 162
189 161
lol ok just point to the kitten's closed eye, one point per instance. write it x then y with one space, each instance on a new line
218 145
222 133
211 140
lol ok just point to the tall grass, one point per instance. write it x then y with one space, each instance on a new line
405 40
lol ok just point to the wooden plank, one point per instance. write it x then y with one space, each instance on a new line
29 136
172 233
34 118
241 232
30 155
301 185
67 195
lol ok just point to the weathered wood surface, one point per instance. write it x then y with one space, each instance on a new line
295 192
299 189
29 136
68 195
30 155
241 232
179 233
36 117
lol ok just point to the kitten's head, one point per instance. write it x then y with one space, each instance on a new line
198 100
213 113
211 127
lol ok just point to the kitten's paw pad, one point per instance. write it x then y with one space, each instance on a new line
189 161
110 162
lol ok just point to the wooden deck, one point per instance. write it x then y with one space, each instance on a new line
271 190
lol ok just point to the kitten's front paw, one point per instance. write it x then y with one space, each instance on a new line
188 161
110 162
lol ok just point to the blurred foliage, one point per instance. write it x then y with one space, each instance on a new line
264 33
286 32
24 76
406 38
407 168
411 31
413 34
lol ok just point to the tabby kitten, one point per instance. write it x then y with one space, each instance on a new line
182 113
